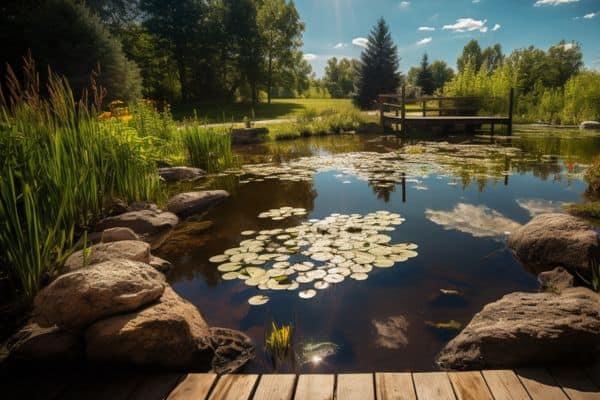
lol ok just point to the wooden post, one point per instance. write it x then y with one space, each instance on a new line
403 109
510 110
424 107
440 107
403 187
381 121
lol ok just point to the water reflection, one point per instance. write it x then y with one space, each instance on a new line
540 206
478 221
391 333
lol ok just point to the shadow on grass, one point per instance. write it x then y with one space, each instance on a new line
235 112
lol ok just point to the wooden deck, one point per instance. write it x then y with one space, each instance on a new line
564 383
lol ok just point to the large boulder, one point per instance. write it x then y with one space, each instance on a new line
181 174
171 333
189 203
589 125
528 329
51 344
133 250
145 222
551 240
556 280
76 299
118 234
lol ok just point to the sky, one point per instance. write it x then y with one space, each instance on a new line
441 28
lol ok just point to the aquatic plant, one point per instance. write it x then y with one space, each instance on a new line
278 342
592 176
208 148
60 167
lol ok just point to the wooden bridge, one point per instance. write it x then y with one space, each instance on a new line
444 113
560 383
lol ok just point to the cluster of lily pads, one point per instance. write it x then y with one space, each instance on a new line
325 252
278 214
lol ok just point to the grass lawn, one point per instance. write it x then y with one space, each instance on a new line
235 112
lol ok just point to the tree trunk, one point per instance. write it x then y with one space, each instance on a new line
269 78
182 73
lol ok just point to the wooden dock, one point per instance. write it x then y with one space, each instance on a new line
449 113
561 383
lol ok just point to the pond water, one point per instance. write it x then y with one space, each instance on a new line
456 202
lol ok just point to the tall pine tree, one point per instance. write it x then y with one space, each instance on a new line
377 71
425 77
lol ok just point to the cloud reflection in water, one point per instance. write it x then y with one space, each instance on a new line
391 333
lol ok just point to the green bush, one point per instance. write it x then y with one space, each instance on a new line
208 148
592 176
582 98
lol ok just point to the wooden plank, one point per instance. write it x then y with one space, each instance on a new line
315 387
505 385
433 386
575 383
275 387
234 387
540 385
194 386
469 385
355 387
155 386
395 386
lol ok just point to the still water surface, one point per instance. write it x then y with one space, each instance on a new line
459 202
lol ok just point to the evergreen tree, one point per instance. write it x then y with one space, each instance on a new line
377 71
425 77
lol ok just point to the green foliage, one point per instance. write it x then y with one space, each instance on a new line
313 123
592 175
425 77
377 71
59 169
471 55
67 37
339 77
582 98
208 148
278 342
441 73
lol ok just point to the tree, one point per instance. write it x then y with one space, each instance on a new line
116 14
563 61
72 41
425 77
377 71
339 77
441 73
177 23
281 29
471 53
492 57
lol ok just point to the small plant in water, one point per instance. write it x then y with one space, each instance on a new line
278 342
594 278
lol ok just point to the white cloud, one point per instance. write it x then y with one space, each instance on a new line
496 27
467 25
590 15
566 46
360 41
476 1
404 4
309 57
424 41
427 28
340 45
553 2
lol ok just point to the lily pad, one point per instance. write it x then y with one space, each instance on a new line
307 294
258 300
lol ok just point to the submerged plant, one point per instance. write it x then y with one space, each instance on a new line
278 342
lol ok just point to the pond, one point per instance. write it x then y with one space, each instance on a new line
387 246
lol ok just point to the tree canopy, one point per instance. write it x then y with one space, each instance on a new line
425 77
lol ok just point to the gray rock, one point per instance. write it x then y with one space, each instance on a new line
159 264
186 204
133 250
117 206
551 240
143 205
528 329
143 222
171 333
35 343
556 280
592 125
118 234
76 299
181 174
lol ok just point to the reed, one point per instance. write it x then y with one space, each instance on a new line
278 342
208 148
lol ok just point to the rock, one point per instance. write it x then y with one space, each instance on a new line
551 240
585 125
159 264
117 206
171 333
186 204
248 135
118 234
555 280
528 329
34 343
133 250
143 205
76 299
143 222
181 174
185 236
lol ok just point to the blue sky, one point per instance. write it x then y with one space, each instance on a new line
442 27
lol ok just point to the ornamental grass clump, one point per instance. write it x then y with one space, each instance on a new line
60 166
208 148
278 342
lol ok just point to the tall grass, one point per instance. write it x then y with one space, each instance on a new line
208 148
59 169
312 123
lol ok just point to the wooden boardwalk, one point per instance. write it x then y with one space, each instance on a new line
561 383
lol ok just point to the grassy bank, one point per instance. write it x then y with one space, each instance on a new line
235 112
